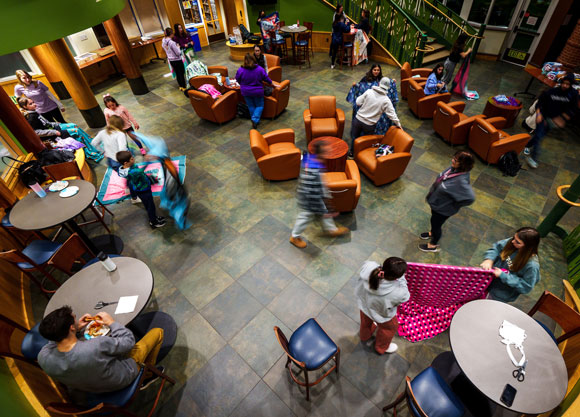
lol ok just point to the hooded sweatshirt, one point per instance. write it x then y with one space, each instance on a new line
171 48
372 104
380 304
451 194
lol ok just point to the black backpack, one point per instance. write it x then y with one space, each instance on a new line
29 172
249 37
509 164
244 111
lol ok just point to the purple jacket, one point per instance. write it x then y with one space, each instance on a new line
183 41
250 81
171 49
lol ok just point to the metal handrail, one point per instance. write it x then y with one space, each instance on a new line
453 21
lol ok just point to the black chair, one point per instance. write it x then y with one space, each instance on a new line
147 321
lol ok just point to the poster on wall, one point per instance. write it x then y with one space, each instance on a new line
186 4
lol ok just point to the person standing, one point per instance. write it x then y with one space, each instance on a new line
450 191
435 84
339 11
338 28
47 105
251 78
312 194
555 106
173 52
456 54
113 108
515 264
371 106
365 26
379 291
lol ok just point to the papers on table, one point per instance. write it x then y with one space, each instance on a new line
126 304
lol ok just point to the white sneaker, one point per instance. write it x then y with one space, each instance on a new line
332 66
136 200
392 348
527 151
531 162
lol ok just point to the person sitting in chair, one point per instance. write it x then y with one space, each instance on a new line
101 364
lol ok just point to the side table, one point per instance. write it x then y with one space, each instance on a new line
337 150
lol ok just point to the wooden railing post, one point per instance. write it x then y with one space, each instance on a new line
477 41
420 51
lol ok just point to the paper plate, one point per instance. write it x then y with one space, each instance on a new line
58 186
104 330
69 191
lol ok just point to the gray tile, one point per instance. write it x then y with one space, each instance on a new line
262 402
266 279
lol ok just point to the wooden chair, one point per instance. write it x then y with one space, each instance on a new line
346 49
302 49
31 344
69 254
566 317
70 170
309 26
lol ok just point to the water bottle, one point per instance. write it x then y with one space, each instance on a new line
38 190
107 262
228 81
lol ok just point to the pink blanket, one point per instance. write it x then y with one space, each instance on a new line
437 292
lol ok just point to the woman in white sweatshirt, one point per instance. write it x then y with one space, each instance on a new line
113 139
380 289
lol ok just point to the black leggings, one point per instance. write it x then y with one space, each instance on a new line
437 221
179 72
53 116
333 52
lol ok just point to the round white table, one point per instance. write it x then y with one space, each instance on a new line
94 283
293 31
476 344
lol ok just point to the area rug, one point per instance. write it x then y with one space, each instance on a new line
437 292
114 188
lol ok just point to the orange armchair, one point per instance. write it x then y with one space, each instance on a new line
486 140
322 118
344 187
277 102
200 80
407 73
386 168
277 156
274 68
421 105
221 110
451 124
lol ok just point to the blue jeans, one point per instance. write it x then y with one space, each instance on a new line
534 143
256 106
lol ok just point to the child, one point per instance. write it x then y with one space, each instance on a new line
113 140
140 183
379 291
115 109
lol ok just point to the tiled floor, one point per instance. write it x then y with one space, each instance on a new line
233 275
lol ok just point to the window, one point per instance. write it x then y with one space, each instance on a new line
454 5
101 35
143 17
500 15
12 62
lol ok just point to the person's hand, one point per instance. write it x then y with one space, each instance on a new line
539 117
136 126
84 320
497 272
105 318
57 133
353 84
469 50
487 264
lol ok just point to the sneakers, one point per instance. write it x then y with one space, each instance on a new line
339 231
425 248
159 223
147 383
527 151
298 242
136 200
351 155
392 348
425 236
531 162
331 66
254 125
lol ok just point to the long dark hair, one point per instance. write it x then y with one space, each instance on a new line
337 19
439 65
459 44
168 32
392 269
465 160
176 31
369 75
262 60
531 240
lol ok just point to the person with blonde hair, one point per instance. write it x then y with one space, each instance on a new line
251 78
112 139
47 105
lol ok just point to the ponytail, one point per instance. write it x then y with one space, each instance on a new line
376 275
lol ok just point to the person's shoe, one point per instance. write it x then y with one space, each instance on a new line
531 162
136 200
147 383
527 151
160 219
331 66
143 151
157 224
425 235
298 242
392 348
182 88
425 248
254 125
339 231
350 155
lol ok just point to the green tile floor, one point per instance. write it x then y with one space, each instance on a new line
233 275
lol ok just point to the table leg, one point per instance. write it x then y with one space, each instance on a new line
294 60
157 57
109 244
525 92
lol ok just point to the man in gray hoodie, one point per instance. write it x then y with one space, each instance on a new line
372 104
450 191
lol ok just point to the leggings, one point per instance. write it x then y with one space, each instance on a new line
448 69
333 52
130 131
179 72
437 221
53 116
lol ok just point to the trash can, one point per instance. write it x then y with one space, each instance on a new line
195 36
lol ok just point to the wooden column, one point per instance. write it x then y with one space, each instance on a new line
17 124
42 58
120 42
75 83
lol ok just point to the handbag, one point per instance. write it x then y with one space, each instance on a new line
30 172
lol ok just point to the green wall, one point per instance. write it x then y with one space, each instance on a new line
27 23
313 11
12 401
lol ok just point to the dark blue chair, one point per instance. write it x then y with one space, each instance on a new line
31 344
310 348
428 395
144 322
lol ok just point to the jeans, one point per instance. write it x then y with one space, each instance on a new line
305 217
256 106
437 221
147 349
448 69
357 129
534 143
385 333
147 199
179 70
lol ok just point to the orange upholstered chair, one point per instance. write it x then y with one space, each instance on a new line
220 110
407 73
277 102
421 105
200 80
344 187
322 118
277 156
486 140
274 68
386 168
451 124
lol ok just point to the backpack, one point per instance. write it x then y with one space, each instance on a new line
244 111
249 37
383 150
509 164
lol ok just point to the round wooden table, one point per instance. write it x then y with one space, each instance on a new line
94 283
238 52
493 109
476 344
336 156
293 31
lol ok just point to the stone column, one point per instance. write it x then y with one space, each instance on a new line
120 42
17 124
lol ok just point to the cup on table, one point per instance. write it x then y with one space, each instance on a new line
38 190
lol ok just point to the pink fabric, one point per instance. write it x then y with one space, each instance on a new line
211 90
123 113
437 292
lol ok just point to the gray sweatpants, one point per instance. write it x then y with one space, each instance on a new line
305 217
448 69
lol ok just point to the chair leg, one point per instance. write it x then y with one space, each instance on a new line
48 275
337 360
105 207
307 385
101 218
394 404
33 279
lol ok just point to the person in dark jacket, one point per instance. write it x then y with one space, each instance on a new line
450 191
365 26
457 52
554 108
251 78
312 194
43 128
338 28
260 58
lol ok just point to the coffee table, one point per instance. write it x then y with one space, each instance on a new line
510 113
336 155
92 284
35 213
293 31
475 341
